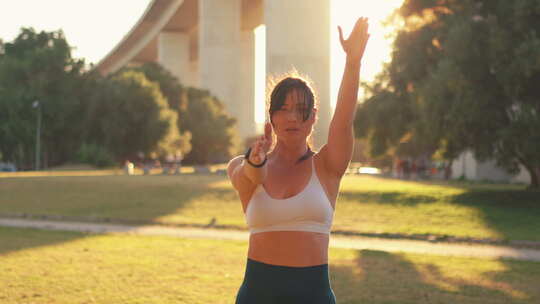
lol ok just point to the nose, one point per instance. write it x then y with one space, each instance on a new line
292 115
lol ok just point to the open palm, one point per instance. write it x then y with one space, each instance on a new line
355 45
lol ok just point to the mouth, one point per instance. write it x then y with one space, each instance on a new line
292 129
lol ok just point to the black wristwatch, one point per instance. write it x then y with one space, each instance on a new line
246 157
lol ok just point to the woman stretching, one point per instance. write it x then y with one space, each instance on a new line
289 193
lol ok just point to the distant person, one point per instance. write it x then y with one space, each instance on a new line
129 167
406 169
178 163
288 192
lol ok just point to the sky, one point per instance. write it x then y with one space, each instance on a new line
94 27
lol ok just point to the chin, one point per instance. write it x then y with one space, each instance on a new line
295 137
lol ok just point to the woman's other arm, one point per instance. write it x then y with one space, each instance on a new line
338 150
244 176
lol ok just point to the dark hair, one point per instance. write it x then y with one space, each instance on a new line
288 85
304 94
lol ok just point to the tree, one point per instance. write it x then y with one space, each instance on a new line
39 66
169 85
214 134
85 115
466 72
171 89
127 114
201 117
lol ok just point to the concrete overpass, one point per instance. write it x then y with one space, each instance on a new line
211 44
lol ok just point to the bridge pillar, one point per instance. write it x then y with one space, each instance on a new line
298 37
246 122
222 69
173 54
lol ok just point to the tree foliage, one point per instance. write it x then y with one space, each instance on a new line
463 75
129 115
39 66
214 134
97 119
201 116
82 111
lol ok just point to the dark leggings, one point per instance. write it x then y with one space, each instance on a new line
269 284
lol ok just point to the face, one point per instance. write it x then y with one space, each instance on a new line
288 121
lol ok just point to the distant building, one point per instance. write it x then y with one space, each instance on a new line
467 166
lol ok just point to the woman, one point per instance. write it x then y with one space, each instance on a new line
289 194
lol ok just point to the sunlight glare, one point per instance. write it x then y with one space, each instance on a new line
260 76
345 13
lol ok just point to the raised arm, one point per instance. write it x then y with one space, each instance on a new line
338 151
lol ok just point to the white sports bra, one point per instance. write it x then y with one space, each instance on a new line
310 210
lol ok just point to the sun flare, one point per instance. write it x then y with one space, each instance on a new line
345 13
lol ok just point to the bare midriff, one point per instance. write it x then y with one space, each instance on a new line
289 248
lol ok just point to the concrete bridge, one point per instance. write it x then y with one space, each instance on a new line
211 44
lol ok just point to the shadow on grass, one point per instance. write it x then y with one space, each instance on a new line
380 277
388 198
513 214
15 239
119 199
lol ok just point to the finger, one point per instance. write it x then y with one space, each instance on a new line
256 156
263 146
366 26
256 147
361 26
268 131
359 22
266 146
260 152
341 35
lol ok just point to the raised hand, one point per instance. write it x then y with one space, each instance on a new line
355 45
261 146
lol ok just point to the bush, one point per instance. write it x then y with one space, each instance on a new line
95 155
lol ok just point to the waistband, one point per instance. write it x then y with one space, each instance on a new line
259 274
286 284
262 265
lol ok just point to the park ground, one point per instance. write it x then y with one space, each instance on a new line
42 266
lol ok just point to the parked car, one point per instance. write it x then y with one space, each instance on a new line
7 167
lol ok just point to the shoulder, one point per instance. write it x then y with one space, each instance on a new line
318 158
323 157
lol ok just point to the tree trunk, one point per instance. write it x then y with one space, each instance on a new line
535 174
448 170
533 171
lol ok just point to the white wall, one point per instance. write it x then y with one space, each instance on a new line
488 170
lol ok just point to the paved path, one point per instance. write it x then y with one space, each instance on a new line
359 243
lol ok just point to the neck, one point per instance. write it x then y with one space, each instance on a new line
289 152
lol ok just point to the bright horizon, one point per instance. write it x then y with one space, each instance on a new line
93 40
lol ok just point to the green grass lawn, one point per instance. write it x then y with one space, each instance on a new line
67 267
366 204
